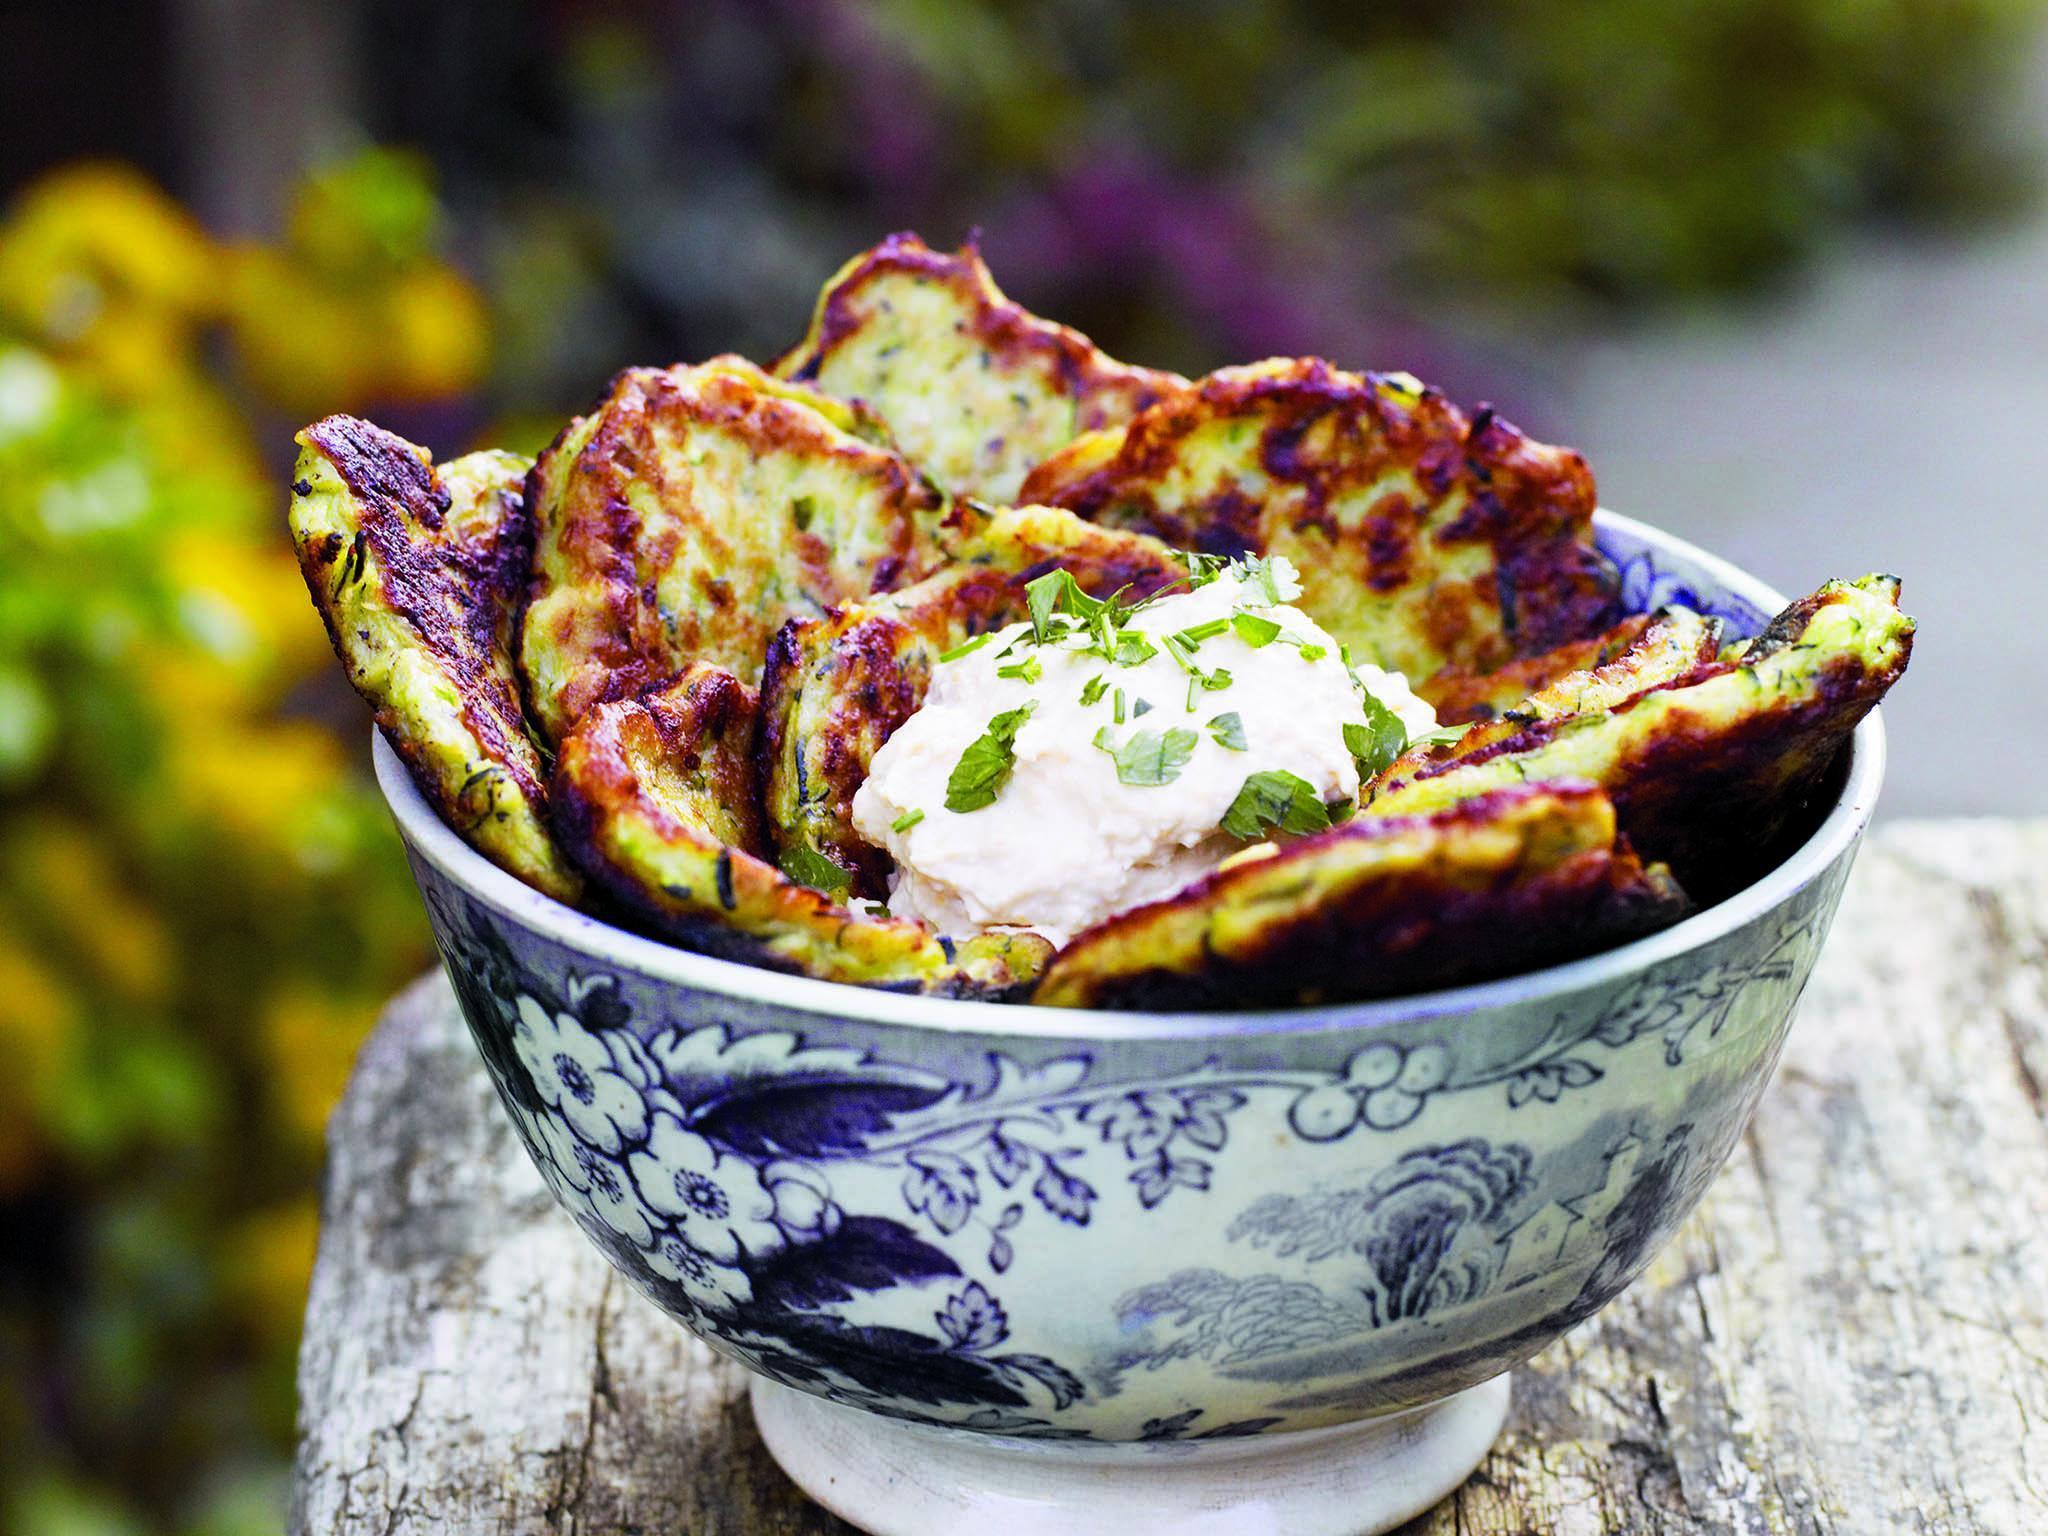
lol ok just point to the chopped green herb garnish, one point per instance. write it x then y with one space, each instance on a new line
1254 630
1132 648
1093 690
1437 736
985 766
1028 670
1047 594
1229 731
906 821
1140 707
1195 634
1258 575
1149 758
1275 798
1118 704
967 647
806 866
1217 680
1203 569
1377 742
1313 652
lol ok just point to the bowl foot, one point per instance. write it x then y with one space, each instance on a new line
896 1479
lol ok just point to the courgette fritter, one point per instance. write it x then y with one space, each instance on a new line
1705 768
657 798
1521 876
1428 541
416 571
974 388
691 513
836 688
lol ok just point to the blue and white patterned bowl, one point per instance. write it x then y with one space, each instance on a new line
1120 1227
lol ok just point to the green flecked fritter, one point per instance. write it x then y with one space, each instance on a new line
657 798
1429 541
1704 768
691 513
417 571
1527 875
837 687
973 387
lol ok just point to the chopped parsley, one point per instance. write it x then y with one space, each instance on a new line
906 821
1229 731
1149 758
1093 690
1254 630
806 866
1379 741
984 768
1275 798
1258 575
1047 594
967 647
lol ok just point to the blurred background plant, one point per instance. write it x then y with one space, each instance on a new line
201 904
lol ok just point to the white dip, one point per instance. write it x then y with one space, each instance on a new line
1095 812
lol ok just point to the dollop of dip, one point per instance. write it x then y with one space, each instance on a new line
1100 757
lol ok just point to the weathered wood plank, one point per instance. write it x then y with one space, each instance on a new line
1851 1335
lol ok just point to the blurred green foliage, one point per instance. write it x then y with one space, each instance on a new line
201 903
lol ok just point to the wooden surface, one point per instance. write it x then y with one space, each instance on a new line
1850 1336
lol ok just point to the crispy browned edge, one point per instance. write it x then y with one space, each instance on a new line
1410 931
1533 503
1463 698
459 594
628 652
1107 392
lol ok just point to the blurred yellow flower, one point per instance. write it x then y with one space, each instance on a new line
265 1261
356 305
38 1020
101 267
68 889
310 1034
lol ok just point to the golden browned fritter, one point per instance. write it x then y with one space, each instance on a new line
974 388
657 798
1704 769
1526 875
417 572
689 515
1428 541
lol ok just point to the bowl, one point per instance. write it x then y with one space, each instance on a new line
1056 1270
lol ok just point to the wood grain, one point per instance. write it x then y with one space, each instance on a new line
1851 1335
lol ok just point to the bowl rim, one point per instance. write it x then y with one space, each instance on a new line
606 944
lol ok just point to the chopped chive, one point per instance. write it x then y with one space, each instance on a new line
1119 703
1195 634
1028 670
906 821
967 647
